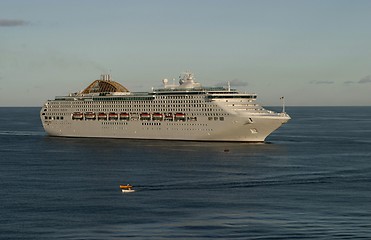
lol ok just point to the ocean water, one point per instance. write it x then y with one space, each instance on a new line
310 180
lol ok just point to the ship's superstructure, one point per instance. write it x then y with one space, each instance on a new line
187 111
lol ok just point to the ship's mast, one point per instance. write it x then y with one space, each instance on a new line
283 104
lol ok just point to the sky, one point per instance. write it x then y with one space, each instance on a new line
312 52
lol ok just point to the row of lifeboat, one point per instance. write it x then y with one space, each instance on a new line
126 116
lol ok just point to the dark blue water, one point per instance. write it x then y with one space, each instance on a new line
311 180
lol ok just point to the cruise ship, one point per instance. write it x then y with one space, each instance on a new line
184 111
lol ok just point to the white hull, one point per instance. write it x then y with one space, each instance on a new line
127 191
235 129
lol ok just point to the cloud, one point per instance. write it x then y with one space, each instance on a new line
12 22
234 83
348 82
366 79
322 82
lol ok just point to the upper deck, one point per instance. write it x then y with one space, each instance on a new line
105 89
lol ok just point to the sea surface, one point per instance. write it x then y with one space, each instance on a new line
310 180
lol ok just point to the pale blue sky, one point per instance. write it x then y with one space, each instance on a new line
314 52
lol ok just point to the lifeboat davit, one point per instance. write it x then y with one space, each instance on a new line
169 116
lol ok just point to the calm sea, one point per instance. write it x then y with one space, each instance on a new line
311 180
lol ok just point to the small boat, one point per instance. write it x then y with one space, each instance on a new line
126 188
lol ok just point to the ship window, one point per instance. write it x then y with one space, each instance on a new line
221 118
